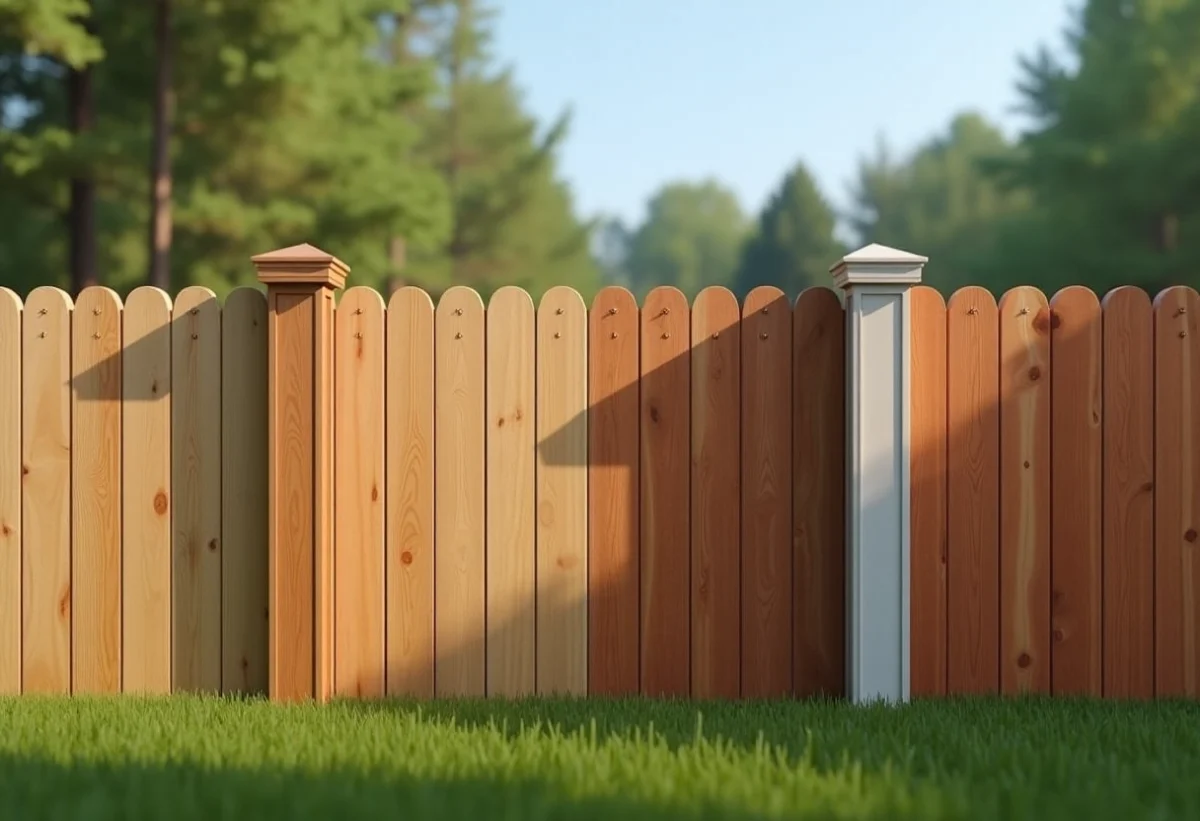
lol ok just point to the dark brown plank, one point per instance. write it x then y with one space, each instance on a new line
665 494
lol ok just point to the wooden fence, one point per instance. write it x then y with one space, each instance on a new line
605 501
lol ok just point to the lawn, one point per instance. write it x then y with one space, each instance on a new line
206 758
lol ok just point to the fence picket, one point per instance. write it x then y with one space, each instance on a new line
512 442
1177 493
614 486
410 485
460 629
1025 374
716 495
973 560
46 501
1128 494
10 492
1076 445
96 492
665 494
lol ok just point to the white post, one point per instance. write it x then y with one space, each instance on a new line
876 281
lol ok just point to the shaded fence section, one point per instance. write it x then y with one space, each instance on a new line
133 492
1056 492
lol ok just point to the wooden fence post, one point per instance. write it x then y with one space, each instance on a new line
877 281
300 283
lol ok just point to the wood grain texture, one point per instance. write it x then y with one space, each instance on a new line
146 493
460 615
1128 494
1075 475
1177 492
96 492
46 493
766 494
1025 374
716 495
358 488
928 474
973 532
511 494
665 494
10 492
410 483
819 497
292 645
244 500
323 515
614 417
562 493
196 482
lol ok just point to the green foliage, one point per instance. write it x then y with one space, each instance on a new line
794 245
691 237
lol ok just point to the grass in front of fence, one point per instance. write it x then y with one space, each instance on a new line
205 758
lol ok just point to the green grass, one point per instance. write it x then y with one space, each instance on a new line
195 758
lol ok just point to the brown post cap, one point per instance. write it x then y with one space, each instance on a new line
301 265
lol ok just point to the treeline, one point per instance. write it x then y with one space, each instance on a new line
1103 189
166 141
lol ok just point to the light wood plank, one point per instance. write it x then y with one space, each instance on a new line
767 574
96 492
196 482
819 493
562 493
10 492
927 633
973 497
716 495
46 501
1025 375
460 613
1177 493
1128 494
666 494
614 419
358 488
410 485
244 500
1075 475
511 494
146 493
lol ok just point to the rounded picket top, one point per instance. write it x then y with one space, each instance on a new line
928 294
195 299
1072 309
562 298
9 301
511 298
612 299
972 299
410 297
98 296
361 296
150 300
49 297
662 298
714 311
1176 299
459 300
1026 301
1126 298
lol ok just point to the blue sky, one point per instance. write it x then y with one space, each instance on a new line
740 90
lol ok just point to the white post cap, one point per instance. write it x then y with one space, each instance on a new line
878 265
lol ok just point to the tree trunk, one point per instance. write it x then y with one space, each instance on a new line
81 218
160 159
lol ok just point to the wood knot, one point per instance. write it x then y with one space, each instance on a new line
406 558
1035 373
518 415
500 422
566 562
1027 465
1147 487
160 503
1055 320
64 602
1042 321
1059 635
1023 661
212 544
374 493
5 530
1189 536
653 414
24 470
154 388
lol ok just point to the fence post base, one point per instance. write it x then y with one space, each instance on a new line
876 281
300 284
